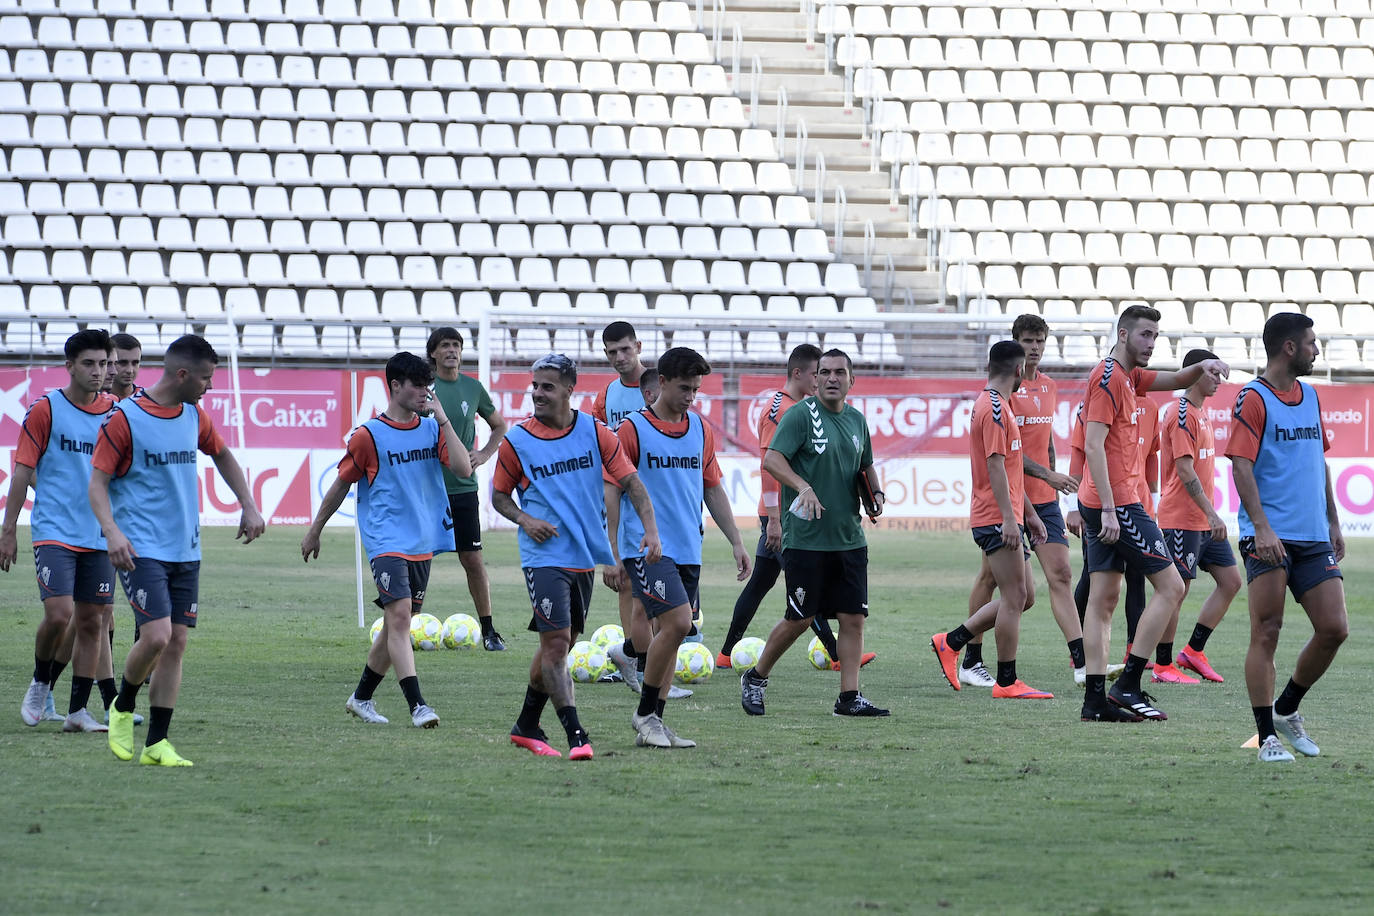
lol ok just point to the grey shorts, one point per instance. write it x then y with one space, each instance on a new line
1192 549
85 575
664 585
559 598
397 578
158 590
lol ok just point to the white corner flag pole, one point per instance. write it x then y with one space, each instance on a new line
357 532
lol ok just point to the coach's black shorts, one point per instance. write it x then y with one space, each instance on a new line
1141 545
467 521
1054 522
664 585
825 582
989 540
762 551
558 598
1307 563
1192 549
397 578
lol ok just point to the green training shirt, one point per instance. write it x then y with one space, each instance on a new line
827 450
464 400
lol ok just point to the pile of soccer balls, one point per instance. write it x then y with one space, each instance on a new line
427 632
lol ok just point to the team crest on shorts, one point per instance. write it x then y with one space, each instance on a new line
1191 560
141 598
384 580
1159 549
45 575
660 589
546 607
799 593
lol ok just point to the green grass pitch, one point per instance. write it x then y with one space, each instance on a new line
956 803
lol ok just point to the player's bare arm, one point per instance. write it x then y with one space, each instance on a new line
1035 527
498 429
1001 492
333 499
1333 520
639 498
875 486
251 523
459 462
20 481
1095 457
614 574
718 504
1268 547
1061 482
776 463
121 552
538 529
1187 475
1184 378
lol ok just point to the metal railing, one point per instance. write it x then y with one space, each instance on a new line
808 10
841 204
756 72
781 129
849 70
890 267
870 243
820 188
717 23
736 47
802 138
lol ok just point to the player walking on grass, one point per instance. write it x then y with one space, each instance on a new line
144 494
817 454
556 460
403 517
1034 403
1290 531
675 456
75 579
1194 533
801 382
1118 531
464 400
1000 514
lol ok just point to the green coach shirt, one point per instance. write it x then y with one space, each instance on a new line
827 450
464 400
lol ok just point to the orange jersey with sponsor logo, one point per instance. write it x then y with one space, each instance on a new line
1185 432
994 432
1034 403
1111 400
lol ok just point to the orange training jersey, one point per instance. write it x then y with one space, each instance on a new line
1034 403
1111 399
994 431
1147 434
1076 433
780 403
1185 432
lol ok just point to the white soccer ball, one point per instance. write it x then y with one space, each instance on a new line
586 661
461 631
425 632
746 653
608 635
694 663
816 652
376 629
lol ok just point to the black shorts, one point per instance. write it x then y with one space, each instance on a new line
1192 549
825 582
158 589
1054 522
762 551
1140 547
664 585
1307 564
83 575
989 540
397 578
559 598
467 521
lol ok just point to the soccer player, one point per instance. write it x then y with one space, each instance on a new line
675 456
1194 533
817 454
128 357
1000 514
1118 531
396 460
801 382
1034 403
465 399
555 460
144 494
75 579
1290 532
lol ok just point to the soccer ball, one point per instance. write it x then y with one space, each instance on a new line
815 651
746 653
694 663
586 662
461 631
376 629
425 630
608 635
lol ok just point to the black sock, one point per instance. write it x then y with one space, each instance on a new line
1135 602
1081 590
55 671
1198 641
1006 673
958 637
628 647
1264 721
108 690
1076 656
41 667
821 627
487 628
1288 701
648 701
367 684
159 719
1164 653
571 727
1095 689
848 695
660 707
410 686
128 693
1130 675
753 674
973 655
112 640
641 658
81 693
528 723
